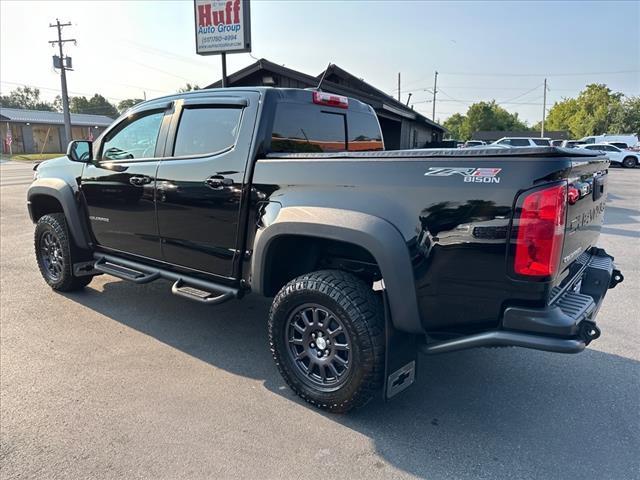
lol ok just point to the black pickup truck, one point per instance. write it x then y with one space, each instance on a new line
371 256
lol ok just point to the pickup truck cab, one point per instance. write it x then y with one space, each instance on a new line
370 256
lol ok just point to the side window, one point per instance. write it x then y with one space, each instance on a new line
542 142
206 130
301 128
504 142
364 132
137 139
593 147
520 142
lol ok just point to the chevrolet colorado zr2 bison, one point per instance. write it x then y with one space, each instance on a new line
371 256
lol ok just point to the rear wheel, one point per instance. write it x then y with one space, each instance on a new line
629 162
55 253
326 331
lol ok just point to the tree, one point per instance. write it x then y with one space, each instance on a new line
627 117
188 88
96 105
454 125
128 103
483 116
26 98
592 113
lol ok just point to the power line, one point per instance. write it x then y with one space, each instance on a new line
475 74
159 70
523 94
19 84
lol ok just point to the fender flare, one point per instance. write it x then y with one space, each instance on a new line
64 194
379 237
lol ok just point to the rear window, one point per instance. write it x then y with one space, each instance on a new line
206 130
364 132
298 128
541 142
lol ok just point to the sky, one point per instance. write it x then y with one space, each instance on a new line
482 50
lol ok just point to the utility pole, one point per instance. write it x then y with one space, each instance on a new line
63 76
544 107
435 90
399 86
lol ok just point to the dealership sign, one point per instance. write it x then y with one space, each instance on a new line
222 26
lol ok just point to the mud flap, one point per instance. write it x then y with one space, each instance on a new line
401 356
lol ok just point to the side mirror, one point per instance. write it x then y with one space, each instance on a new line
80 151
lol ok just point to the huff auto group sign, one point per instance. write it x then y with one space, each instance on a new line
222 26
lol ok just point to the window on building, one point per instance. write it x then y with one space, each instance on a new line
206 130
46 138
301 128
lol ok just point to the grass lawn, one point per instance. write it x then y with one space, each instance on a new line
31 157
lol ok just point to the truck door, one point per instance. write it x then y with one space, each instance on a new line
119 185
200 180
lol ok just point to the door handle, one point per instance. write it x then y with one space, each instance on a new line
139 180
218 182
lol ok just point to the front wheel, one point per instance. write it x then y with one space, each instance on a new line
56 253
629 162
326 331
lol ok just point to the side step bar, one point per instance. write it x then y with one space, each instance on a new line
501 338
193 288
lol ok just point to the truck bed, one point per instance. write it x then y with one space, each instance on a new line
458 229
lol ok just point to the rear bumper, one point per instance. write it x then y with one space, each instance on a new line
568 325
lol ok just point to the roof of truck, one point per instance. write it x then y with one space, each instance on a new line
288 94
449 153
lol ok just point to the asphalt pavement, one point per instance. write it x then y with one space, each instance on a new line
128 381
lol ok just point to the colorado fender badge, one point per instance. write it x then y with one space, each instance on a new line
469 174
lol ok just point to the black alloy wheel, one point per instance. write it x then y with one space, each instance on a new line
51 256
319 346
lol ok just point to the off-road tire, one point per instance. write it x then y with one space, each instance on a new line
360 312
629 162
55 224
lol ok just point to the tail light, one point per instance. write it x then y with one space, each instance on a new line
541 232
331 100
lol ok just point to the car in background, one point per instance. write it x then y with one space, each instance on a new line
621 145
523 142
570 143
626 158
628 138
473 143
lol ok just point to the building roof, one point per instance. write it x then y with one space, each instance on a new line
492 135
55 118
339 81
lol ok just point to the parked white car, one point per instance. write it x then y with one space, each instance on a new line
473 143
627 138
626 158
523 142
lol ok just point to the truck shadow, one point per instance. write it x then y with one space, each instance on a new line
500 413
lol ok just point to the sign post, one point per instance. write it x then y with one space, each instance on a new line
221 27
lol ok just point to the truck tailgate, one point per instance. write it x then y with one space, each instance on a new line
585 209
